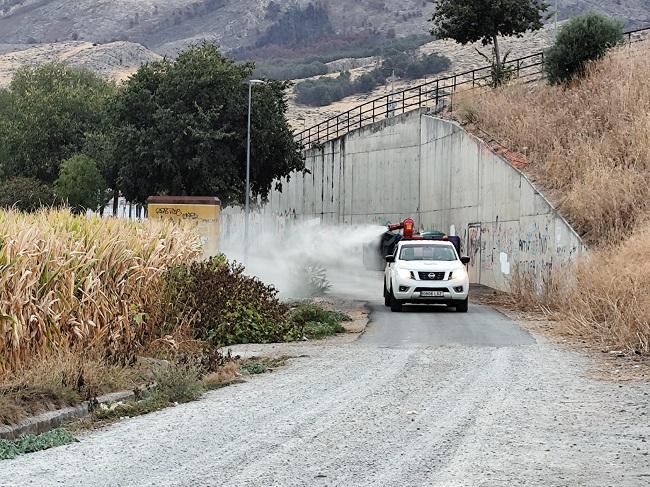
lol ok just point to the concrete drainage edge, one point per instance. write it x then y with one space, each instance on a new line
47 421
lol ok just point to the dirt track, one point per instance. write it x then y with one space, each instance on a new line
386 412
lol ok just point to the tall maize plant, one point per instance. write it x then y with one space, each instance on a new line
68 281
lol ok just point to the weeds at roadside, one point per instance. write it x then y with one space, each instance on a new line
32 443
178 384
225 376
62 379
317 322
175 384
262 365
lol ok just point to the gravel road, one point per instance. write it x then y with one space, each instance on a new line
423 398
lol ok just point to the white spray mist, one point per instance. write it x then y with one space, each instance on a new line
280 246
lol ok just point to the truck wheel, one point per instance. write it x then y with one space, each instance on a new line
395 304
386 295
461 306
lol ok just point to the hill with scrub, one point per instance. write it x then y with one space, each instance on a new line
167 25
288 39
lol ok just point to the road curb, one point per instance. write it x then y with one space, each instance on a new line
52 419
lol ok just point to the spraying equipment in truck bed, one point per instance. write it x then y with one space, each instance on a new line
374 252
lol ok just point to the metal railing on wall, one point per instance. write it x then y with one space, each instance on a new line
432 94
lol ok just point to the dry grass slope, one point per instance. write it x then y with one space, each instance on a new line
588 146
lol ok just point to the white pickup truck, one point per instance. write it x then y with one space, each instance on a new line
426 272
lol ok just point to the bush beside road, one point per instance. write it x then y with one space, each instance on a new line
91 306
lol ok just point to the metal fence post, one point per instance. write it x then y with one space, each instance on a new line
437 86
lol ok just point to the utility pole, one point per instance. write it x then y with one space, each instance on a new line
391 103
248 167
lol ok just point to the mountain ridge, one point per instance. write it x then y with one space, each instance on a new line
166 26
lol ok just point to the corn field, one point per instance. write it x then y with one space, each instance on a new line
75 282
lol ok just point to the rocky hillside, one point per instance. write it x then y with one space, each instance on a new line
110 36
115 60
168 25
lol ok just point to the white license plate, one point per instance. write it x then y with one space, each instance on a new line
432 294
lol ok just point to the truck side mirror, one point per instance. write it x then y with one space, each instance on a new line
390 259
465 260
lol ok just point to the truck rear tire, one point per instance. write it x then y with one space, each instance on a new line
461 306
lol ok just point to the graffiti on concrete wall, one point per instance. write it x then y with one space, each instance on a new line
383 174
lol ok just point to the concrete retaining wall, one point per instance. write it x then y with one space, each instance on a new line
415 165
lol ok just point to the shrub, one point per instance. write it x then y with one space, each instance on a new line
282 69
26 194
299 25
309 279
408 65
580 40
361 45
177 383
315 321
174 384
224 305
326 90
262 365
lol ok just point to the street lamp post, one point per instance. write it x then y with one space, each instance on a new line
248 166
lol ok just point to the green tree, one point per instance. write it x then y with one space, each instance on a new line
48 112
25 194
467 21
81 184
580 40
299 26
102 146
182 129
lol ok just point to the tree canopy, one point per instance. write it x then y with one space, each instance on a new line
182 128
80 184
48 112
467 21
25 194
176 127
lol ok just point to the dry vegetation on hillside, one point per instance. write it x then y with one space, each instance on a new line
588 146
